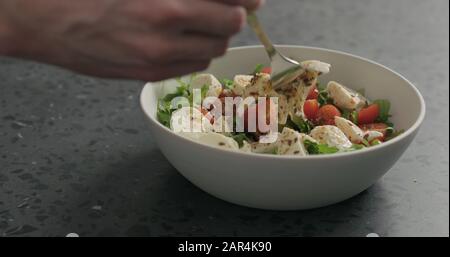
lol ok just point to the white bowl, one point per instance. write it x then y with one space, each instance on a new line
289 182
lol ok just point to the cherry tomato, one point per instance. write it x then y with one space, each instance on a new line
369 115
311 109
327 113
313 94
267 70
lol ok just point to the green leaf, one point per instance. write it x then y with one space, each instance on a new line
182 84
170 97
228 84
274 151
164 114
390 131
316 149
324 98
191 78
346 114
389 123
385 107
325 149
240 138
184 88
365 143
357 147
258 69
351 116
162 105
354 117
301 125
204 91
391 134
375 142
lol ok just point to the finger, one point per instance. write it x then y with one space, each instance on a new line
247 4
151 72
213 18
194 46
157 73
177 46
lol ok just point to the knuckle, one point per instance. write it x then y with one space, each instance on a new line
157 51
172 12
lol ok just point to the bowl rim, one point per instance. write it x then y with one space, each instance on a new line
396 140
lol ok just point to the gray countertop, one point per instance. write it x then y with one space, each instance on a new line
76 154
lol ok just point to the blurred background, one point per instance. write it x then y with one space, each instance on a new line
76 154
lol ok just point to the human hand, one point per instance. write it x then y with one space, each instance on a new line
136 39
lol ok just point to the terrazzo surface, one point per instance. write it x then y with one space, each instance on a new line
76 155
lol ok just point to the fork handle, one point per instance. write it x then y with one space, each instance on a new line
254 23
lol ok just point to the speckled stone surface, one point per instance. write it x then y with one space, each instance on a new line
76 155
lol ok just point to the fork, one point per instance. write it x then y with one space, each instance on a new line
284 69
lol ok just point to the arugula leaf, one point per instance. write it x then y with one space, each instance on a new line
258 69
324 98
365 142
227 84
385 107
351 116
354 117
184 89
274 151
389 123
164 111
170 97
356 147
346 114
164 105
164 118
391 133
204 91
316 149
325 149
375 142
301 125
240 138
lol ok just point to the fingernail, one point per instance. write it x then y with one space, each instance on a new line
261 3
243 17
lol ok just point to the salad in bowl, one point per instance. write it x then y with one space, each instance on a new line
314 142
301 118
